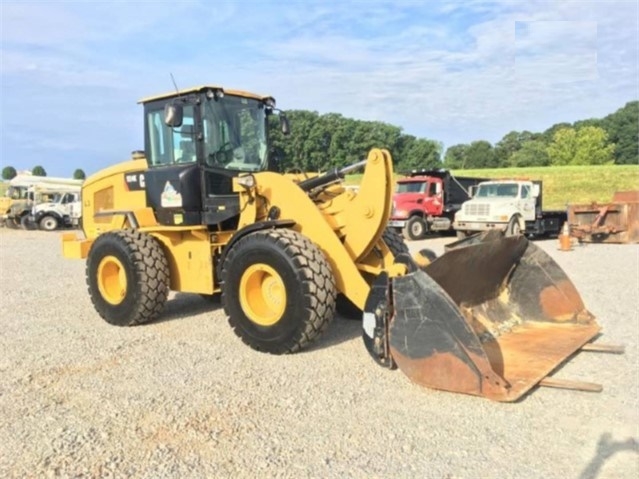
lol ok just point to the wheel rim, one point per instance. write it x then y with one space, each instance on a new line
49 224
112 281
262 294
416 228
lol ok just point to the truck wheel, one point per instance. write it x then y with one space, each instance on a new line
26 224
11 223
513 228
396 244
48 223
278 291
415 229
128 277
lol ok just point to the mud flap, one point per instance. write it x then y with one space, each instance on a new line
491 317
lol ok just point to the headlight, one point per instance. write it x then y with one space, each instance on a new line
215 94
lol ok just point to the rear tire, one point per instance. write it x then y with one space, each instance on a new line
415 228
278 291
128 277
26 224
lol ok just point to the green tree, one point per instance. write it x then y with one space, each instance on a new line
420 154
531 153
549 134
510 144
79 174
622 127
480 154
9 172
456 157
586 146
319 142
38 171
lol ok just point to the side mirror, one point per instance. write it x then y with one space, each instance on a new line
535 190
173 115
472 191
286 129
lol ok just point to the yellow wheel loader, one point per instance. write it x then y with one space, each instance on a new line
202 210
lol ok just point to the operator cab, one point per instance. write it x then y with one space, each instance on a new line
196 141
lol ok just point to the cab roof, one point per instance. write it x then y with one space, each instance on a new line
202 88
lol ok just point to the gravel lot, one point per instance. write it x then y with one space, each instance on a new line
183 397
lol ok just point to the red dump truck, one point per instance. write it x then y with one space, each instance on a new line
427 200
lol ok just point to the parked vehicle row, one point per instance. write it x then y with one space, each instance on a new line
46 203
438 201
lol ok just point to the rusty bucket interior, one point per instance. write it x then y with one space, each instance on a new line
491 317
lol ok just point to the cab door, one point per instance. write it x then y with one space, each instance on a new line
527 202
173 181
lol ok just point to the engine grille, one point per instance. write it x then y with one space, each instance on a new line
477 209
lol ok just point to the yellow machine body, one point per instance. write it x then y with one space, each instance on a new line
345 225
491 317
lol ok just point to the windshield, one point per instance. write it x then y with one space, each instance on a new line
16 192
501 190
411 187
234 131
232 135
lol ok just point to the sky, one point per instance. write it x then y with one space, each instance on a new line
453 71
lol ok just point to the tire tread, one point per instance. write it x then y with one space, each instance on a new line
150 263
318 286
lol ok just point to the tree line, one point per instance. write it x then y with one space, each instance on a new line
319 142
9 172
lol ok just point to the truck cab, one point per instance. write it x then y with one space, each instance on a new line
416 198
53 209
513 206
502 205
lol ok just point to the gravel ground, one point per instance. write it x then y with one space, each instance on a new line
183 397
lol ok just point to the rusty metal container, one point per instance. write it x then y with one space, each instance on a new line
614 222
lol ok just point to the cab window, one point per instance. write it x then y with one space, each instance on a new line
169 146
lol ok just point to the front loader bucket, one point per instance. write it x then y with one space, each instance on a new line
491 317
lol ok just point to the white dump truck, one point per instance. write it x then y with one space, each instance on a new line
513 206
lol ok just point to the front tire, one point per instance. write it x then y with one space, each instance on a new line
278 291
513 228
415 229
396 245
48 223
128 277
